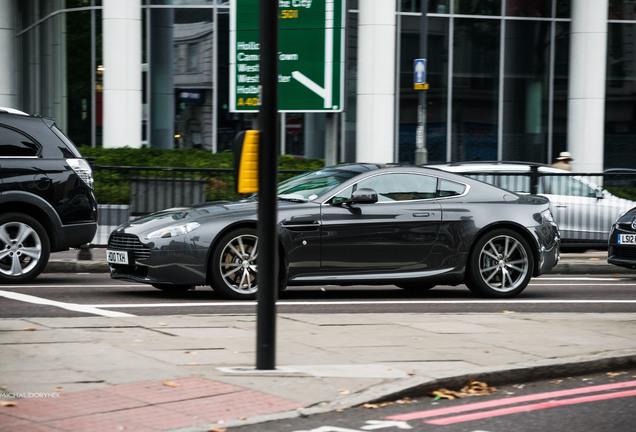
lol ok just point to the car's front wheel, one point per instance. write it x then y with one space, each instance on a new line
500 265
234 265
24 248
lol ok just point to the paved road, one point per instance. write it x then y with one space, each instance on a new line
74 295
586 403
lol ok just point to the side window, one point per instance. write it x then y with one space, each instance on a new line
563 185
449 188
14 144
344 195
401 186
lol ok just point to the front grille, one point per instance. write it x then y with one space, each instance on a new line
129 242
623 252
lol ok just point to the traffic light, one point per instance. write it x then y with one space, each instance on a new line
246 161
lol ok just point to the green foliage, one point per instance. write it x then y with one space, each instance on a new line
623 192
113 184
186 158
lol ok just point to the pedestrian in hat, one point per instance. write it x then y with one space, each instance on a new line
563 161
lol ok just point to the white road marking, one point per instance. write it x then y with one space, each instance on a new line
63 305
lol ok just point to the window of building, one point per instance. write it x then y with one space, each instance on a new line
620 97
475 90
526 90
477 7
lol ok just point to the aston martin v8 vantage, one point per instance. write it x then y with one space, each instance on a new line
369 224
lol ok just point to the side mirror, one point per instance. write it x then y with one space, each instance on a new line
364 196
599 193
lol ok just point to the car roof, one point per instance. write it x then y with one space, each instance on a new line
495 166
12 111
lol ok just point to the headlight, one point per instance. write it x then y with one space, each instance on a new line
173 230
547 214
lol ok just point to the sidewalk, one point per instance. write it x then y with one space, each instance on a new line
192 373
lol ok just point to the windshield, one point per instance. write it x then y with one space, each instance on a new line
309 186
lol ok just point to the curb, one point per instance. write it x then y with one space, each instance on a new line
405 387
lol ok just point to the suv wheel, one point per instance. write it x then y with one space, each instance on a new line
24 248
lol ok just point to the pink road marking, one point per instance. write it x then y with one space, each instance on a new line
531 407
509 401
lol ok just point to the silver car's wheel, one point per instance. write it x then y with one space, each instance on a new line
24 248
500 265
234 265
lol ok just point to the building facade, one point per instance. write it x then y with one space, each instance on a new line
507 79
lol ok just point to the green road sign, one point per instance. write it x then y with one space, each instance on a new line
310 55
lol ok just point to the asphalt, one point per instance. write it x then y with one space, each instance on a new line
192 372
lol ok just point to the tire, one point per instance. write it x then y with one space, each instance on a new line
24 248
234 265
174 288
500 265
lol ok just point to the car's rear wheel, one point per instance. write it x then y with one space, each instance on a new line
500 265
24 248
234 265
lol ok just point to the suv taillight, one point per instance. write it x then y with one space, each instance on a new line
83 170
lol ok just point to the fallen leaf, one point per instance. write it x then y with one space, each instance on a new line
193 364
445 394
410 373
217 430
615 374
370 406
506 311
8 404
29 329
190 352
472 388
344 391
168 383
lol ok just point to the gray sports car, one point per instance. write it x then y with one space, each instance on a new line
349 224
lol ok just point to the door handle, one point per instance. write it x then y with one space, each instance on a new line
423 214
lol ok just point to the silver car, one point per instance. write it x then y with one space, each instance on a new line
584 211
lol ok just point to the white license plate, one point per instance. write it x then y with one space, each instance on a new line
627 239
117 257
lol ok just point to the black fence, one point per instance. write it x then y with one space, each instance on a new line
584 204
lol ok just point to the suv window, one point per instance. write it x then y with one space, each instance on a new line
15 144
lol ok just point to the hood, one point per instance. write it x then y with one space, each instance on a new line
195 213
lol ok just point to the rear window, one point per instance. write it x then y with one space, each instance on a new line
70 151
16 144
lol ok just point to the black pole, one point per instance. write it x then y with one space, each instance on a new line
268 182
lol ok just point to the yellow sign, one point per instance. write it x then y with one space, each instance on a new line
423 86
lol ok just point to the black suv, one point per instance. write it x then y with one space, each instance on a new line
47 202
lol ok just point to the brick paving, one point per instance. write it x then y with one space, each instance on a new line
148 406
